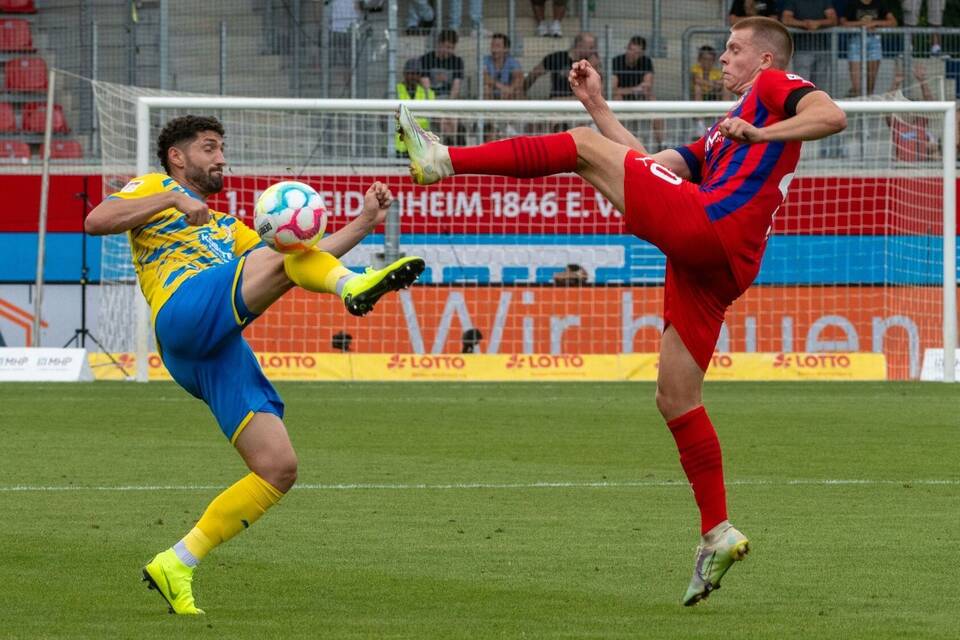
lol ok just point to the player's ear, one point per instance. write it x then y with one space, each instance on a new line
176 157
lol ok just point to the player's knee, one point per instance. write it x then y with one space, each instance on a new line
279 470
673 402
582 135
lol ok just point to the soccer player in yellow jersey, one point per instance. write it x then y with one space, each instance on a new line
206 276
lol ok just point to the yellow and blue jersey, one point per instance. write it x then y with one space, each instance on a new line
167 250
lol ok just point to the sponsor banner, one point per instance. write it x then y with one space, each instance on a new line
555 205
933 365
897 321
44 365
541 367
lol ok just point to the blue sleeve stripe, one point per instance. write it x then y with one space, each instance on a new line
692 163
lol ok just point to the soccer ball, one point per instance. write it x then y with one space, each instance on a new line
289 216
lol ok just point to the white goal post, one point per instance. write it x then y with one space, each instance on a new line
914 196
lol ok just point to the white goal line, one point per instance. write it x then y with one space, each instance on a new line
638 484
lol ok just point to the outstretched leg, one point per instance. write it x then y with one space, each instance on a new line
597 159
267 275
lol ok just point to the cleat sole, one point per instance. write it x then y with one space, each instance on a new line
152 586
401 278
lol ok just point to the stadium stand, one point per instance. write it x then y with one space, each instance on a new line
15 36
25 74
34 115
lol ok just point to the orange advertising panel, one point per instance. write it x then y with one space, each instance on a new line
897 321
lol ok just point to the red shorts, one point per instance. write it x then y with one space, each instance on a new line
665 210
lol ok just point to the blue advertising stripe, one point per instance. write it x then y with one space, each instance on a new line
18 257
789 260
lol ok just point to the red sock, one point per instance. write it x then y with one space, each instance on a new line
703 463
522 157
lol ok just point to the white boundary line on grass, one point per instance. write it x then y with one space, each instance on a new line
639 484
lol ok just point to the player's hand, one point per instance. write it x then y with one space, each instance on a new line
196 211
740 131
376 203
585 81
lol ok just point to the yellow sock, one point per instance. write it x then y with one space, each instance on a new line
315 270
231 512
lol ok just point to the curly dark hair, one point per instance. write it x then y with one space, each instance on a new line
181 129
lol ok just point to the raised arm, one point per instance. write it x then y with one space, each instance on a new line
376 204
116 215
588 88
817 117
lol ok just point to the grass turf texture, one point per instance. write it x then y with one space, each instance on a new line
873 560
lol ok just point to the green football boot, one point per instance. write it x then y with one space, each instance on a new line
362 292
717 552
173 580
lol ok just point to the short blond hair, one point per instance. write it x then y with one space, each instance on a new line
773 34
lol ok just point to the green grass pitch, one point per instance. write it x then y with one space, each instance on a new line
486 511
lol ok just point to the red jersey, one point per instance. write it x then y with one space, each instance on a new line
743 185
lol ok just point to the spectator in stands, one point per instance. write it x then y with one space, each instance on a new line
633 79
748 8
706 78
811 58
502 73
552 29
558 64
413 88
443 68
633 72
419 17
443 73
573 276
456 12
870 14
343 15
911 12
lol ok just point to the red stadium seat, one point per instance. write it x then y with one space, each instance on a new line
15 35
25 74
8 120
64 150
17 6
14 151
35 114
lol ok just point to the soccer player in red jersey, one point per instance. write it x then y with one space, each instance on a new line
708 206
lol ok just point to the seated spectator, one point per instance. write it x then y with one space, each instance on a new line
413 88
573 276
558 64
870 14
706 77
633 80
553 29
741 9
502 74
443 73
633 72
443 68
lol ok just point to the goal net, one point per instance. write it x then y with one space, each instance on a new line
855 262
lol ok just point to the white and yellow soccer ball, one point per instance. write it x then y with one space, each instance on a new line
290 217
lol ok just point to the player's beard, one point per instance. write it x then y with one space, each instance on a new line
206 181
